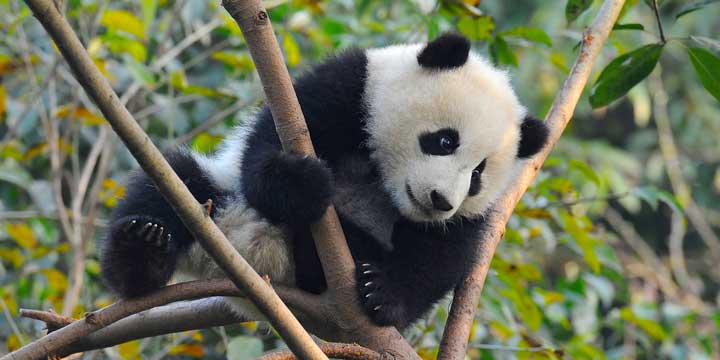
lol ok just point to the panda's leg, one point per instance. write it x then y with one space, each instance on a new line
145 237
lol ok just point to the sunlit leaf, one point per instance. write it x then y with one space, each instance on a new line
530 34
292 50
707 66
122 45
56 279
239 61
650 327
13 256
22 234
192 350
525 306
13 343
73 112
477 29
205 143
3 102
11 150
584 241
574 8
35 150
623 73
244 348
110 192
692 7
124 21
533 213
500 330
129 350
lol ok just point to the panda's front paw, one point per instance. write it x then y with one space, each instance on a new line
307 187
376 296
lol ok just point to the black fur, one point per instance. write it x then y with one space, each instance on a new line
448 51
134 260
533 136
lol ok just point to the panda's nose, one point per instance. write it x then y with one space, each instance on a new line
439 201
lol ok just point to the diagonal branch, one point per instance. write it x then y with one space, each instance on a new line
172 188
467 294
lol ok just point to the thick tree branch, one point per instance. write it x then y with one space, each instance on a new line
172 188
335 315
467 294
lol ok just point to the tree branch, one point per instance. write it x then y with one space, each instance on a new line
172 188
335 315
332 350
467 294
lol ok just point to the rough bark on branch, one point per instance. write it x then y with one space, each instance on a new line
467 293
175 192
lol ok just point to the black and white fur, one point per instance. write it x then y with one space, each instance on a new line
415 142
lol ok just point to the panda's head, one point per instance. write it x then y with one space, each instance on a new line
445 128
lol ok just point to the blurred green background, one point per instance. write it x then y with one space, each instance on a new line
612 254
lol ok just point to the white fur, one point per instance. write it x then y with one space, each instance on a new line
406 100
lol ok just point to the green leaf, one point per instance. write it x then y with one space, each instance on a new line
530 34
623 73
244 348
124 21
693 7
586 170
650 327
648 194
707 66
149 8
574 8
477 29
501 53
292 50
120 44
632 26
670 200
586 243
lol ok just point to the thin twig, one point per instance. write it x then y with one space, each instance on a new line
656 10
467 294
207 124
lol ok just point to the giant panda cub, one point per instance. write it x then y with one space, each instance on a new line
415 143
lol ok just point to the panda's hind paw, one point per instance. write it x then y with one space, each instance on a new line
376 296
147 229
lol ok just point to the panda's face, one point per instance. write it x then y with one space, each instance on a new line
445 140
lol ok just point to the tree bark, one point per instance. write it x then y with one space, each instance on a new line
467 294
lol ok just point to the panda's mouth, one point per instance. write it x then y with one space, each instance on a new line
415 201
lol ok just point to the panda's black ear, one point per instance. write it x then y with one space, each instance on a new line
533 136
448 51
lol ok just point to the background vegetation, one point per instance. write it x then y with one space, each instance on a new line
612 253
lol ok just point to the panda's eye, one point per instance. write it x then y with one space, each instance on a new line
446 143
479 169
442 142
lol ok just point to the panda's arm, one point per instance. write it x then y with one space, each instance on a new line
145 236
426 263
292 189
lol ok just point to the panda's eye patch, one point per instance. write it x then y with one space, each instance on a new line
441 142
480 168
475 184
